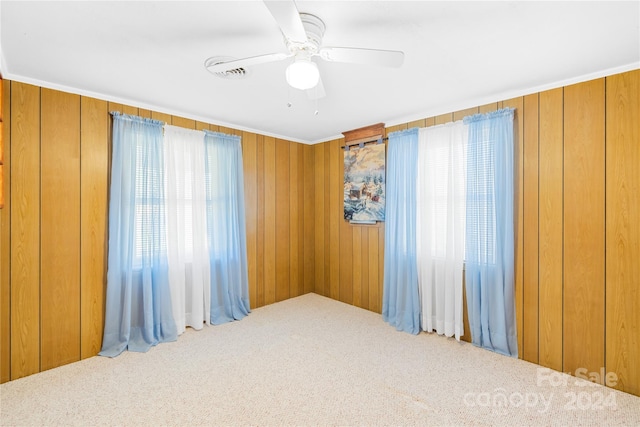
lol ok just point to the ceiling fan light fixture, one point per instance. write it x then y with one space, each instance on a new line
302 74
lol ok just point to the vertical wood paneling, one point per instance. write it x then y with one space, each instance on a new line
300 200
519 126
229 131
530 240
250 202
60 233
380 267
207 126
183 122
584 233
417 124
459 115
319 218
73 177
487 108
163 117
623 230
260 223
281 220
5 240
345 261
375 297
443 118
25 230
144 113
346 236
542 230
327 214
94 194
131 110
356 265
550 228
335 217
364 258
309 218
269 220
397 128
114 107
295 191
466 335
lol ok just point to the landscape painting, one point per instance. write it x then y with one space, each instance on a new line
364 183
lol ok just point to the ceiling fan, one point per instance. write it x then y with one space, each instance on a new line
303 38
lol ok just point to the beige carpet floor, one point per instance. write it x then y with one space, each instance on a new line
310 361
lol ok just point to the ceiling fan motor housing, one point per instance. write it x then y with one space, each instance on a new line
314 28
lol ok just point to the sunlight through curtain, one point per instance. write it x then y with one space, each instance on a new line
441 226
177 239
226 232
401 302
489 242
188 252
138 301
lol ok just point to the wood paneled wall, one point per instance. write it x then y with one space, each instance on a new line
622 226
577 218
577 221
581 205
54 231
5 312
349 258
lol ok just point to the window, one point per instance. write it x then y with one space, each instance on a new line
441 188
481 215
150 220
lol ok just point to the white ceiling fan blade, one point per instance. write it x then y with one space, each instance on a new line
214 66
384 58
288 18
317 91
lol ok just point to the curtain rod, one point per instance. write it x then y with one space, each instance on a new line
363 143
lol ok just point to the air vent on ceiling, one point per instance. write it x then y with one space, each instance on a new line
235 73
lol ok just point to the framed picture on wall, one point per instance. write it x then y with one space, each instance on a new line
364 183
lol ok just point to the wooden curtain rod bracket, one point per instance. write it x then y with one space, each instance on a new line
365 141
365 132
364 135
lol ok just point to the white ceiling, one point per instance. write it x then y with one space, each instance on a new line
457 55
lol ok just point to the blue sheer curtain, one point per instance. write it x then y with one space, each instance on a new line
489 255
226 227
138 301
401 302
